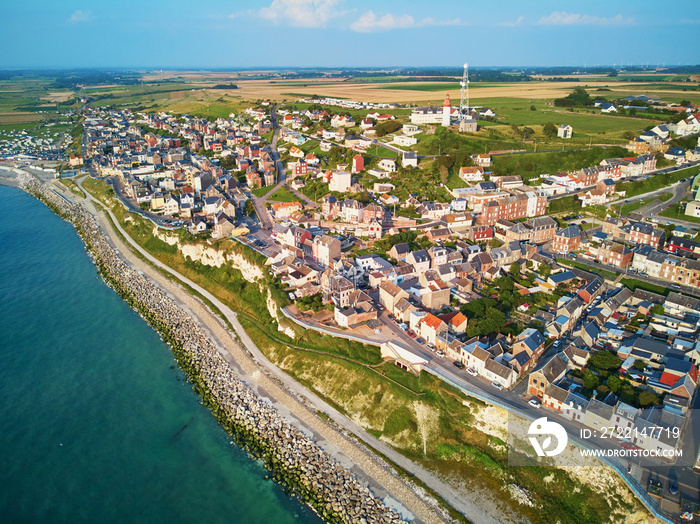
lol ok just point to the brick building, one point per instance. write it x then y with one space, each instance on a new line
567 240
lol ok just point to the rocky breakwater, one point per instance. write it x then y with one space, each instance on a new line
292 458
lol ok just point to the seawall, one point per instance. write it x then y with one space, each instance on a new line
292 458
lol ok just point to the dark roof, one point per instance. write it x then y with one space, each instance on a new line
557 393
571 231
554 369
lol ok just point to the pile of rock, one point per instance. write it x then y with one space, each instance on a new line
293 459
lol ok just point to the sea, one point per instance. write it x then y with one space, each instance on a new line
97 423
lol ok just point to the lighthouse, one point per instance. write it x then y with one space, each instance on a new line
446 111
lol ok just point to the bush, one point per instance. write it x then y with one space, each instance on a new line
604 361
384 128
648 398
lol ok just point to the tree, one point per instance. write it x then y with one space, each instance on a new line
685 103
602 390
515 270
545 270
657 309
639 365
533 108
627 394
614 383
444 161
550 130
249 208
648 398
387 127
604 361
590 381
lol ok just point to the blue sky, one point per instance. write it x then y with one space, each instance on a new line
335 33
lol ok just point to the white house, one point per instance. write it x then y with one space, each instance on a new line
471 173
565 131
409 159
340 181
693 209
405 141
387 164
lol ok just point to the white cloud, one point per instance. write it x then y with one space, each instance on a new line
80 16
301 13
249 12
369 22
564 18
517 22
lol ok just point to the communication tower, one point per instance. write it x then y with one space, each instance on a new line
464 102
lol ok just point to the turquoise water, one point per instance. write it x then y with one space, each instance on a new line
91 407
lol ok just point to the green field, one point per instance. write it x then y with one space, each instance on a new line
677 211
571 263
633 284
357 114
212 104
589 124
261 191
28 99
141 89
531 165
284 195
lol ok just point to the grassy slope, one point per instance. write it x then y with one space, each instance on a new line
284 195
532 165
677 211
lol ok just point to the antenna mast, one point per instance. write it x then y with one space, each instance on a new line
464 102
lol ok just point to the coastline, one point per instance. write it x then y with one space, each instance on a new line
307 470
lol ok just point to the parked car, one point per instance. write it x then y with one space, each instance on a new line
459 364
472 372
628 445
420 340
673 487
497 385
440 353
431 347
535 403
